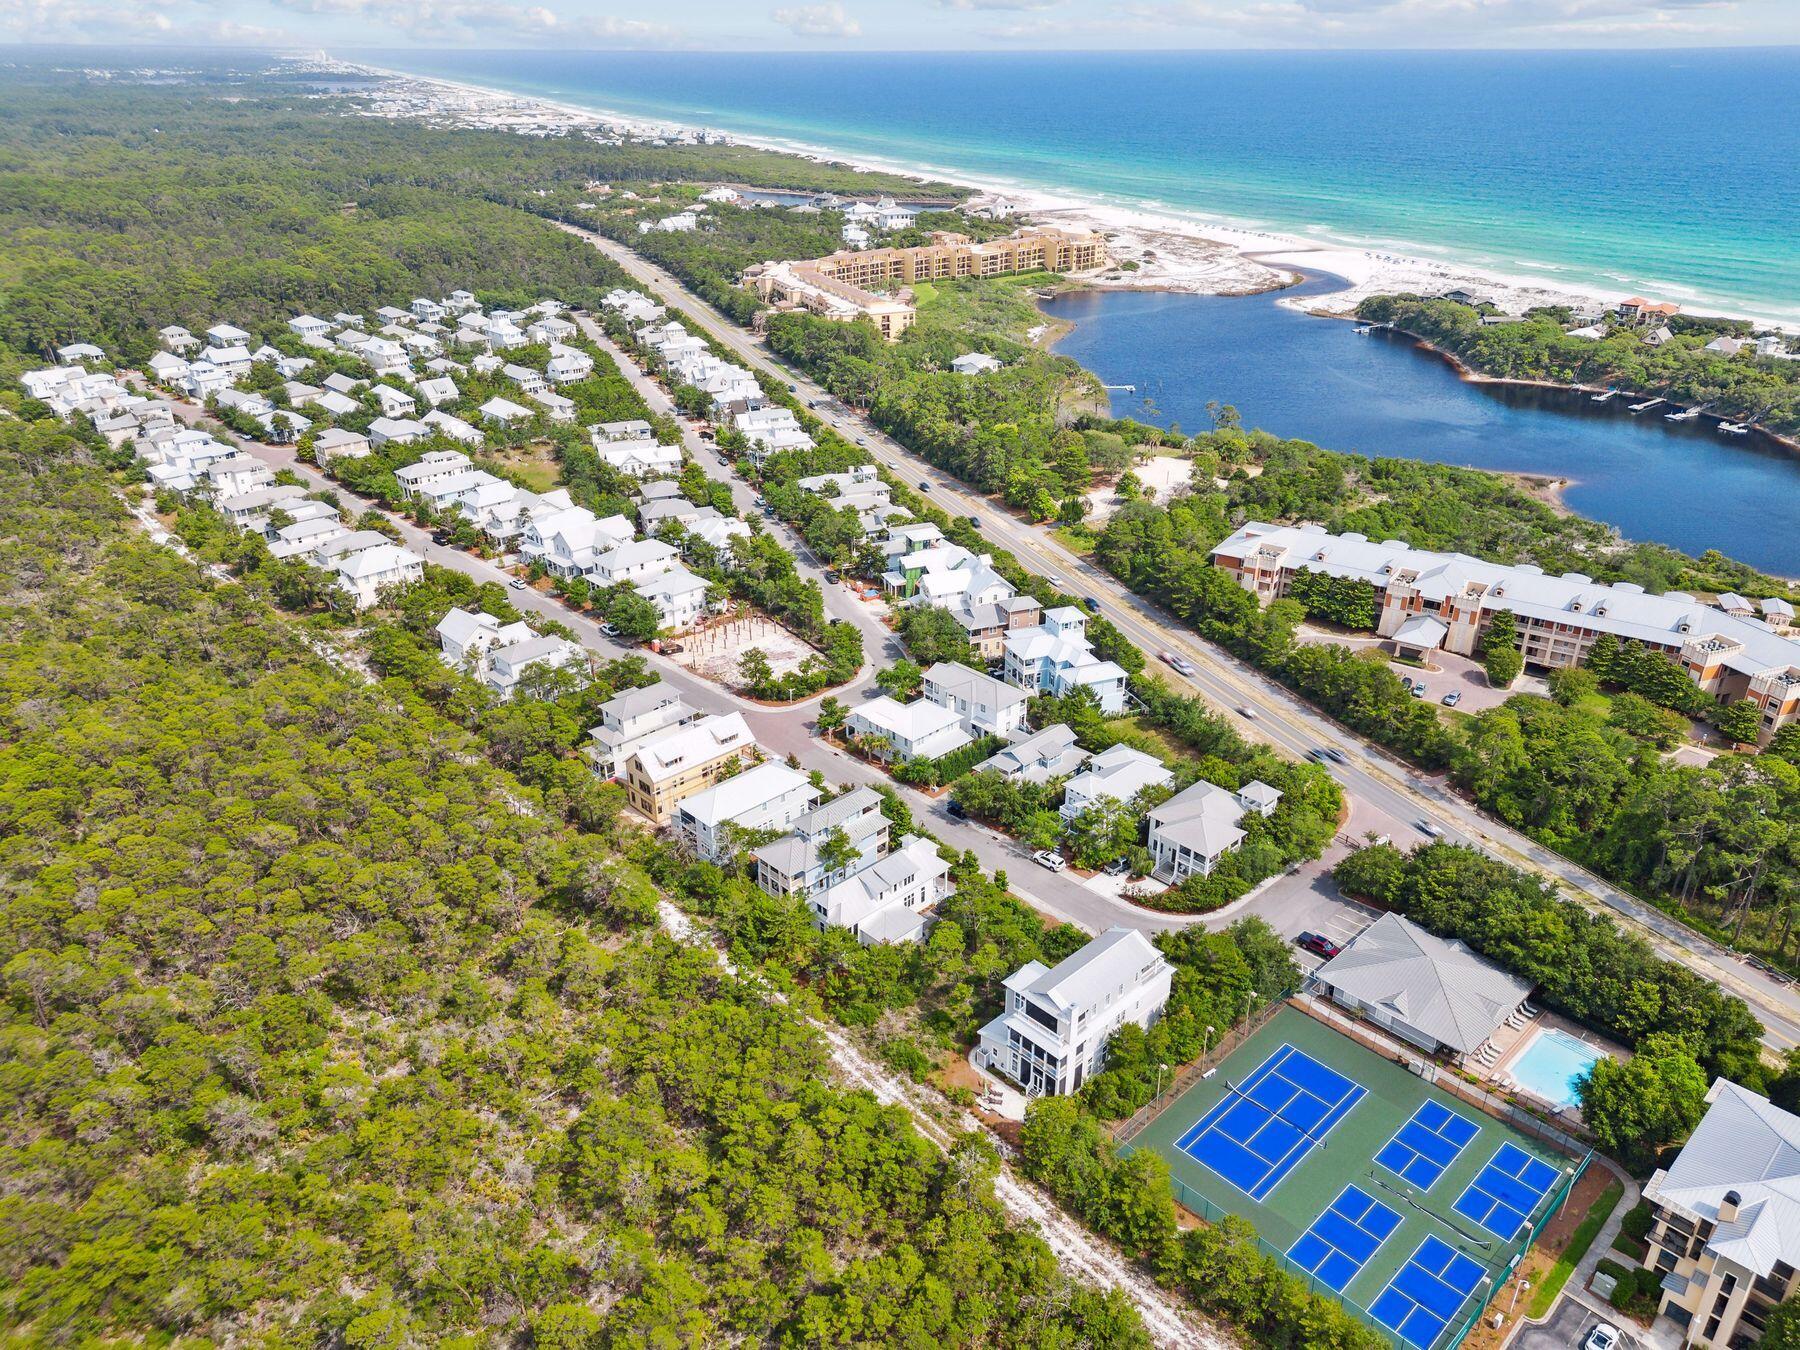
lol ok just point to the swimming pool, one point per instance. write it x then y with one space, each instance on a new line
1552 1064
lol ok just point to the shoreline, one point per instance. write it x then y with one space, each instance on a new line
1175 253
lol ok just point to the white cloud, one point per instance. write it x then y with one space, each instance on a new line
828 20
997 4
454 20
1436 21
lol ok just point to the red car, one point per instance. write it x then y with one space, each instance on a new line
1318 944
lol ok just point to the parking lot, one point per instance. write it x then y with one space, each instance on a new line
1568 1325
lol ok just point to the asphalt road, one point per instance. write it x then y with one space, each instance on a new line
1381 788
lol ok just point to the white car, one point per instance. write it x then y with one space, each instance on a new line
1603 1337
1049 857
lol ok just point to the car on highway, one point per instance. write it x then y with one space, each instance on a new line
1426 827
1318 944
1246 712
1054 580
924 486
1185 666
1451 699
1166 656
1335 755
974 522
793 389
1093 605
1049 857
1605 1336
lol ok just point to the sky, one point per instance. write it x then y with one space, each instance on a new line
907 25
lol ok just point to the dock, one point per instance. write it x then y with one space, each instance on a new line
1120 388
1602 398
1645 406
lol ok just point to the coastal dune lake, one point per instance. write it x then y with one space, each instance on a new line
1682 484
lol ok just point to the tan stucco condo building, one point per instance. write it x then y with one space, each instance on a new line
853 283
1726 1233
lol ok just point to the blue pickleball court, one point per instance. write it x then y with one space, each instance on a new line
1506 1191
1342 1239
1424 1148
1427 1293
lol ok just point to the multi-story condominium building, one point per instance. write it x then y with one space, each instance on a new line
1725 1232
664 770
1191 831
846 285
987 707
630 719
1057 658
769 797
793 863
1052 1037
1430 600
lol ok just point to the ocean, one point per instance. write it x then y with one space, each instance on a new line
1672 173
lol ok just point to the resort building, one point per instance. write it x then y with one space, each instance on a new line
851 283
1429 600
667 768
770 796
907 731
793 863
1429 991
1056 658
631 719
1725 1228
987 707
1052 1037
890 899
1118 773
1191 831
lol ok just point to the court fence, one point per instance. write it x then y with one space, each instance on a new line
1445 1080
1195 1070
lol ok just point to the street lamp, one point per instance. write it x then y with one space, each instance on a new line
1161 1069
1518 1287
1249 998
1205 1041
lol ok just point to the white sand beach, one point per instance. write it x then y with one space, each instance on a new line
1169 252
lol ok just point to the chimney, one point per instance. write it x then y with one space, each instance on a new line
1728 1207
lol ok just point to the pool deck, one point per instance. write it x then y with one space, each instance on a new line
1513 1042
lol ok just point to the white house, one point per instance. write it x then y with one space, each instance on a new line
447 424
793 862
310 328
394 403
226 335
974 363
505 411
631 719
176 339
558 408
1037 756
529 381
570 541
433 466
770 796
1056 658
987 707
236 473
632 560
465 637
679 596
890 899
917 730
366 574
438 390
640 458
568 364
1052 1037
1117 773
506 666
401 430
1191 831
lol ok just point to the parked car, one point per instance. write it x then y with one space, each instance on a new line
1318 944
831 575
517 585
1451 699
1418 690
1603 1337
1049 857
954 809
673 648
1118 867
610 629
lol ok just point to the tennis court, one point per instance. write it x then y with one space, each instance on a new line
1263 1126
1343 1238
1347 1165
1427 1292
1506 1192
1427 1144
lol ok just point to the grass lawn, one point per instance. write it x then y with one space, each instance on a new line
534 465
1552 1284
1079 544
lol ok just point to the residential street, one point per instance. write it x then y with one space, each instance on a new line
1389 796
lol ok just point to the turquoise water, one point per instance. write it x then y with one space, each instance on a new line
1666 172
1552 1065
